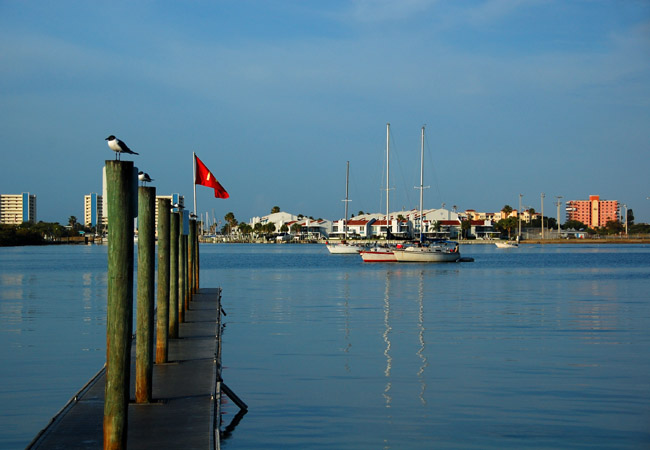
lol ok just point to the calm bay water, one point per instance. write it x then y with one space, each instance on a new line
538 347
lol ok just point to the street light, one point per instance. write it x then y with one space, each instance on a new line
558 204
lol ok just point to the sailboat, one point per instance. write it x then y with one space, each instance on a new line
345 248
435 251
382 253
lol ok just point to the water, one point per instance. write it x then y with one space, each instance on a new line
537 347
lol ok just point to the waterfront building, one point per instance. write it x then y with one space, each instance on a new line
311 228
593 212
277 219
94 210
174 199
17 208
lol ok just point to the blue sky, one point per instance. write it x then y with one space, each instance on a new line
518 96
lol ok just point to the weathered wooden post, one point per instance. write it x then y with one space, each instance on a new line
162 318
173 275
198 261
145 301
186 275
191 256
119 317
182 255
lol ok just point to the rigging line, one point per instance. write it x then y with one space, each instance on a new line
354 192
405 191
433 169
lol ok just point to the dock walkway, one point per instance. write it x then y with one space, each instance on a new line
183 413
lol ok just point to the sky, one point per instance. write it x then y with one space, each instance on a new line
516 96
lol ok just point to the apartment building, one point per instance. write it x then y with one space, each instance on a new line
593 212
17 208
94 210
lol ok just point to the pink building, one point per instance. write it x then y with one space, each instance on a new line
593 212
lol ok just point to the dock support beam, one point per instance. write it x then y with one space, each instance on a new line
192 257
173 276
145 301
119 320
162 319
182 267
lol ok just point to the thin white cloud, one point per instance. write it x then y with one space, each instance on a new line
384 10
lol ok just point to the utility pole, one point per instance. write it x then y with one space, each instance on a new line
543 215
625 206
558 203
519 217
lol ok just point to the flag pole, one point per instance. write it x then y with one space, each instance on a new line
194 178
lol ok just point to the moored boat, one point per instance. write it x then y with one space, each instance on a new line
344 248
436 251
506 244
378 254
383 253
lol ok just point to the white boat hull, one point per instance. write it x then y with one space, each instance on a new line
506 244
425 254
378 256
344 249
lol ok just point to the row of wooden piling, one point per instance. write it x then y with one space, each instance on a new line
178 280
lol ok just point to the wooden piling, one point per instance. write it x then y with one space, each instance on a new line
119 317
173 275
198 262
186 275
191 255
145 299
182 254
162 317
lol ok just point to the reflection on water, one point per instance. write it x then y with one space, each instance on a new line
421 330
512 336
52 332
386 334
544 347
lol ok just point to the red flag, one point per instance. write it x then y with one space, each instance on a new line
205 178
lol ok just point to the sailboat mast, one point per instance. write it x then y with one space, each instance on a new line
421 181
347 178
387 178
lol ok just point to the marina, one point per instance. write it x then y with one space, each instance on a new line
543 347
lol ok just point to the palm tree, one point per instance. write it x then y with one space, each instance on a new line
275 209
231 222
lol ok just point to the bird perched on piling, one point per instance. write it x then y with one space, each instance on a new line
118 146
144 177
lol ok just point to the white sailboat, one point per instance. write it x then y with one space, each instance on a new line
506 244
436 251
382 253
345 248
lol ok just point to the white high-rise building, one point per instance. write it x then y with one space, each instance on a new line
17 208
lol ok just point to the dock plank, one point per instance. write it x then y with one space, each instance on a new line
181 415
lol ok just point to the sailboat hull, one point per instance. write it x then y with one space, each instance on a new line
378 256
344 249
426 255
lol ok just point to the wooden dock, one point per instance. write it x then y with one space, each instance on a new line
186 392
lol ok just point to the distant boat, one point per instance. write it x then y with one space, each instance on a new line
506 244
379 254
344 248
382 253
433 252
436 251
